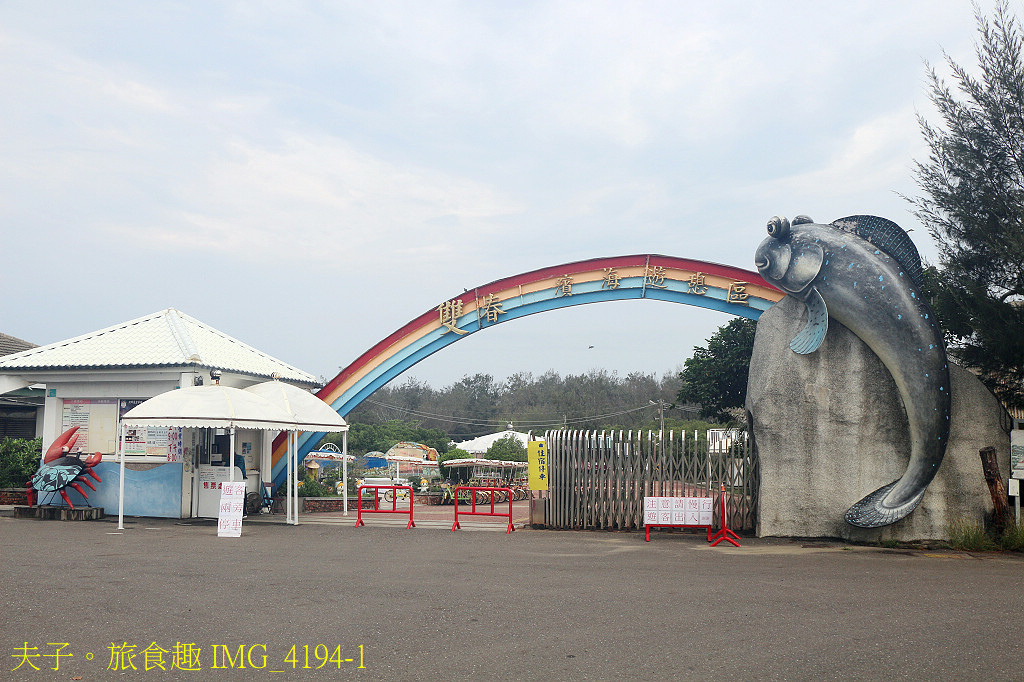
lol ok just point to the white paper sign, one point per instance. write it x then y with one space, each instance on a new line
678 511
232 506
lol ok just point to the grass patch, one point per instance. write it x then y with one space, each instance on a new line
1012 539
970 536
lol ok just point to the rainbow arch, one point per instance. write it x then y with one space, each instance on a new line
646 276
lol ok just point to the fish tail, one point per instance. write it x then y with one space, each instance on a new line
871 512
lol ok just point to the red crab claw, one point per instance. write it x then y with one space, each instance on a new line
92 460
85 481
66 498
80 491
93 474
62 445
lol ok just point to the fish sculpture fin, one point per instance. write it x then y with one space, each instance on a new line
887 236
810 337
870 512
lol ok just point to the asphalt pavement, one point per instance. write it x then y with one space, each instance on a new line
426 603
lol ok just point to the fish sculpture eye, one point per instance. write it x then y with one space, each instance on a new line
778 227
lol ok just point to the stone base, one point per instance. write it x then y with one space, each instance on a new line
829 428
50 513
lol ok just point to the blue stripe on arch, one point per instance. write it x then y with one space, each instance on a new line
528 304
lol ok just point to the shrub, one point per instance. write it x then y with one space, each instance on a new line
313 488
19 459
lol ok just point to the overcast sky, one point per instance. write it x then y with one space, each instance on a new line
308 177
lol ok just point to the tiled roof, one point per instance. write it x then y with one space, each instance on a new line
163 339
12 344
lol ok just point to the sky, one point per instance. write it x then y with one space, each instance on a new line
310 176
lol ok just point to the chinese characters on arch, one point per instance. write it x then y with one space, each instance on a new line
490 307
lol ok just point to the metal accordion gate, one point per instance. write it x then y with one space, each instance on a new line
597 480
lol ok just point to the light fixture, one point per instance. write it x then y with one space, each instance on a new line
215 375
197 380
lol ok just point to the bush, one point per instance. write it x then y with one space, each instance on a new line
19 459
313 488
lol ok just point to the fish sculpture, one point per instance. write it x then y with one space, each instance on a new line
865 272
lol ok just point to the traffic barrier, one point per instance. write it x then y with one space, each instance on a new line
724 533
474 512
687 512
376 503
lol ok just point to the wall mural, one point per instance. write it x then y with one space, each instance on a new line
865 272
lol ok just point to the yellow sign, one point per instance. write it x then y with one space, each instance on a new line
537 454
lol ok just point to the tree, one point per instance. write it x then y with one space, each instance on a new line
507 449
448 474
973 206
716 376
363 438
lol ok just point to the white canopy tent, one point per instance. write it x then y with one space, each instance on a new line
209 407
308 413
288 409
479 446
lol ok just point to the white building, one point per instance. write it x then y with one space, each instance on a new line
91 380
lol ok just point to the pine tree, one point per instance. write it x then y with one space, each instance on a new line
973 206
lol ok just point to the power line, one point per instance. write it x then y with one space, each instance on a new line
470 422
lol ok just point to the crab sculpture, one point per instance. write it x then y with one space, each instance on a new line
61 469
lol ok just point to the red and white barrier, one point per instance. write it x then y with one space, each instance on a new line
474 512
687 512
376 503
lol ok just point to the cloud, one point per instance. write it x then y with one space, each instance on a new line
873 156
320 199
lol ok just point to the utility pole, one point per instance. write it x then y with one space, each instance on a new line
661 405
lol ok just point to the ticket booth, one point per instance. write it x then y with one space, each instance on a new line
230 425
212 468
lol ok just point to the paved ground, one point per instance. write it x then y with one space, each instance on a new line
427 603
424 516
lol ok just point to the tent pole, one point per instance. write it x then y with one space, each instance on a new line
120 486
295 454
344 467
231 455
288 482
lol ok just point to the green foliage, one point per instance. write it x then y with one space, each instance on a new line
19 459
716 376
969 536
363 438
451 474
1012 539
478 404
507 449
973 206
313 488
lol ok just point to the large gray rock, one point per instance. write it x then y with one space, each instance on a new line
829 428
